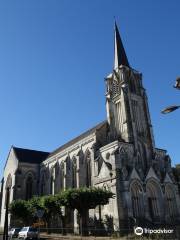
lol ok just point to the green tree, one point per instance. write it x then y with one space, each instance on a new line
35 204
84 199
52 206
81 199
26 211
21 210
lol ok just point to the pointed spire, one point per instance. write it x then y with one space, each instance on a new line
120 57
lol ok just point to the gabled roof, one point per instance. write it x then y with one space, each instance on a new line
83 135
30 156
34 156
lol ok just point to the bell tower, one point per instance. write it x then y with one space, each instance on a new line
126 102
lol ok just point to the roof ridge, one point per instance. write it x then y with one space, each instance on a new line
74 140
30 156
27 149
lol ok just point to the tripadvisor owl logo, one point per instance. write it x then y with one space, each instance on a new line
138 231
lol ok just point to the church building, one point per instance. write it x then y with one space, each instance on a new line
118 154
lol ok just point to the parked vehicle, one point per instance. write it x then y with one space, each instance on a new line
28 233
13 232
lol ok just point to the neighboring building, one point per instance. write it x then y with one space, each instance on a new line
118 154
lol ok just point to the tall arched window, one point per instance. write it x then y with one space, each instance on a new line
62 176
171 202
88 169
56 178
52 180
74 173
123 156
43 184
137 200
154 198
29 187
142 156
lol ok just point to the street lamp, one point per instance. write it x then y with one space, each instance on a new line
175 107
177 84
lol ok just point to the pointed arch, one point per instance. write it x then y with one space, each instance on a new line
52 180
81 157
74 172
68 164
88 167
142 155
56 177
154 198
29 184
122 150
123 156
29 187
43 183
171 205
136 191
87 153
61 175
56 166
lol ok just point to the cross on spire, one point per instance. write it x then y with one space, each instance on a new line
120 57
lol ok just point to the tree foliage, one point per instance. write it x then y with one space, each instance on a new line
36 203
81 199
52 207
52 204
21 210
85 198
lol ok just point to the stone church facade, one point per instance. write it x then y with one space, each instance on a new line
118 154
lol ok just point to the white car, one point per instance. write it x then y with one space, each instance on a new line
13 232
28 233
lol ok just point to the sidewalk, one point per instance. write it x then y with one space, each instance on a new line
74 237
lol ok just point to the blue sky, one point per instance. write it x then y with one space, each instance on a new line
54 56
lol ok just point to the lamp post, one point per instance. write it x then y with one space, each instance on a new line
177 84
175 107
5 233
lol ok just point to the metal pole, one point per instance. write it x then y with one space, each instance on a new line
5 233
81 225
39 228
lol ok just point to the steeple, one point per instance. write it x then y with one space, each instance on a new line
127 108
120 57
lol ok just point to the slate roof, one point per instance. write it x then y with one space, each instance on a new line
30 156
34 156
83 135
